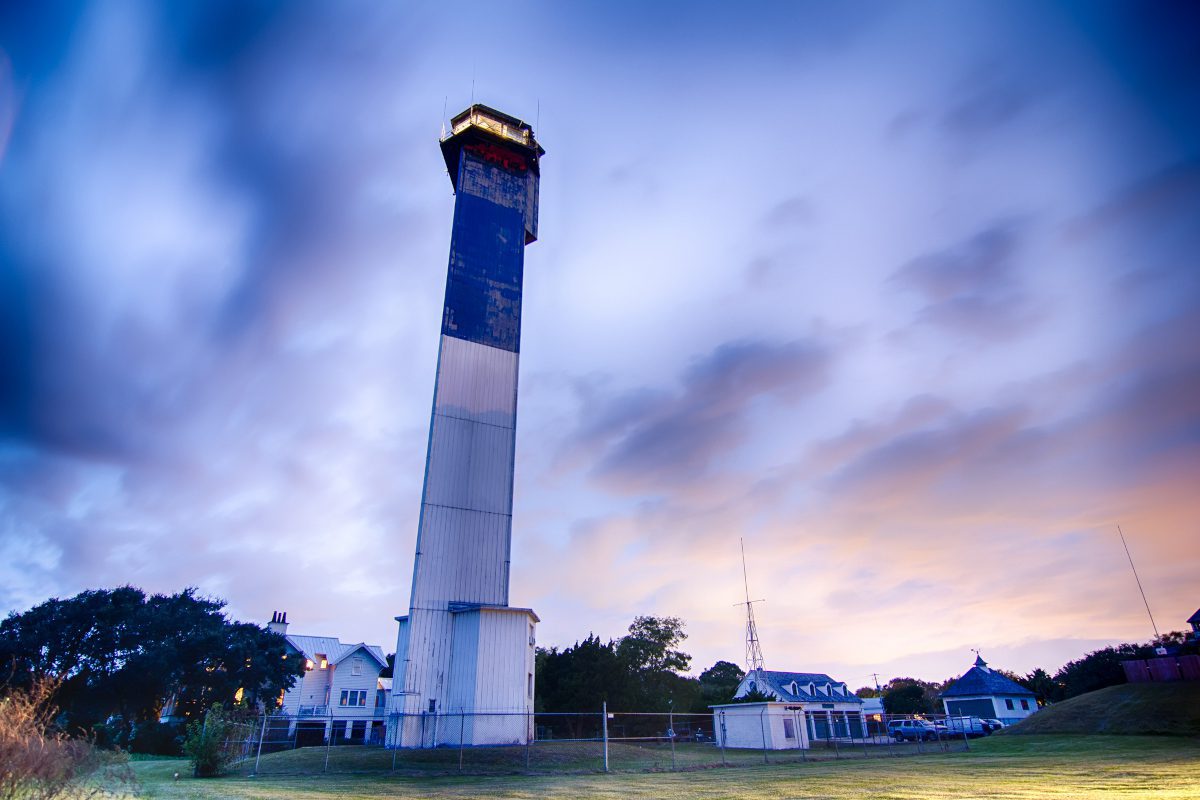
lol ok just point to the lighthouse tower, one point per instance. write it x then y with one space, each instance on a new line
464 657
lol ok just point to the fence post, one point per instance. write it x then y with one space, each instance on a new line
671 730
966 744
462 724
722 738
604 727
833 730
530 732
262 735
762 729
328 741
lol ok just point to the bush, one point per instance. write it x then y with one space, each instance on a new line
40 762
156 738
215 743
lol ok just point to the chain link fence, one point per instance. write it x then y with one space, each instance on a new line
494 743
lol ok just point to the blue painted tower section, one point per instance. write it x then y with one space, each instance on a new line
462 650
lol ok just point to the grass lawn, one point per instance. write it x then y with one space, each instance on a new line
1165 768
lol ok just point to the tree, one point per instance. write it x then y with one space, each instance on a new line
1098 669
122 653
649 647
718 684
1043 686
909 696
640 672
649 654
582 677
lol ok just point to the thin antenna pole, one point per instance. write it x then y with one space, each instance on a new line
1139 581
445 102
472 83
745 579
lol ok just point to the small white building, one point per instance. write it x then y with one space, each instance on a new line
982 692
803 707
340 692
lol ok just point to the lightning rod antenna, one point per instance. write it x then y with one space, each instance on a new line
754 657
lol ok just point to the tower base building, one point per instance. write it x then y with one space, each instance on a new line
464 669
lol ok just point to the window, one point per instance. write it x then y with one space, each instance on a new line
1008 704
356 667
321 657
789 729
354 697
433 706
530 676
1024 705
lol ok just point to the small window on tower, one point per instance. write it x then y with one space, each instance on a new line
433 706
530 684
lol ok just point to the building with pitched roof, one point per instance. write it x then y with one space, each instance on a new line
1194 621
340 693
982 692
802 707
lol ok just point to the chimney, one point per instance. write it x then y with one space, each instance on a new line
278 623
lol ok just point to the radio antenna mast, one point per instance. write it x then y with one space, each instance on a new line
1139 581
754 657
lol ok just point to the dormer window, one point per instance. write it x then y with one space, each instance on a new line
812 688
794 688
324 661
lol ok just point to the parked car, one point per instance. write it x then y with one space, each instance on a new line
968 726
992 725
912 730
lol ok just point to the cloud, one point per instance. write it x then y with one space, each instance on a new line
985 101
974 287
647 439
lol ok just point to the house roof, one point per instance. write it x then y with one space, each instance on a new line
333 649
781 684
981 680
1194 618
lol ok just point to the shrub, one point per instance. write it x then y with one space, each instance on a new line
215 743
156 738
40 762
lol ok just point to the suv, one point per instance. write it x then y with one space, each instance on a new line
966 726
911 729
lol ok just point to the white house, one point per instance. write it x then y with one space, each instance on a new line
340 692
982 692
804 706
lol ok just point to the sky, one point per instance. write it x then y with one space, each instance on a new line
905 296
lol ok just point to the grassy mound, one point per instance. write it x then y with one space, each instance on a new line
1134 708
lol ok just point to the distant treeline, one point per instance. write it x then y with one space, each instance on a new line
641 671
1096 670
